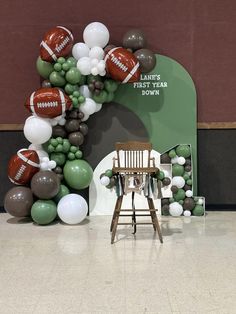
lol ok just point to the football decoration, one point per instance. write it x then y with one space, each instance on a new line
57 42
122 65
23 166
48 102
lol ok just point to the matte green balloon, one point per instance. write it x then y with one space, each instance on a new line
186 176
183 150
78 174
177 170
110 97
71 62
111 86
62 192
160 175
59 158
43 212
101 98
172 153
73 75
109 173
198 210
56 79
180 195
44 68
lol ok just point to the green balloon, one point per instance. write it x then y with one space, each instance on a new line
110 97
78 174
109 173
43 212
78 154
73 75
71 156
171 200
61 60
183 150
59 158
189 182
44 68
172 153
177 170
160 175
186 176
65 146
180 195
62 192
198 210
71 62
57 67
69 89
56 79
92 78
110 85
59 148
101 98
65 66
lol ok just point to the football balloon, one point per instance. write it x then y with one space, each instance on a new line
122 65
48 103
57 42
23 166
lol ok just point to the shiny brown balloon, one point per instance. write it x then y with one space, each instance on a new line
45 184
174 189
76 138
187 187
165 201
18 201
72 125
59 131
166 181
134 39
165 159
83 128
188 162
189 203
147 60
165 210
46 84
72 114
80 115
58 170
112 183
187 168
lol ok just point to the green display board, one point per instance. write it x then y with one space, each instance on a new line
165 101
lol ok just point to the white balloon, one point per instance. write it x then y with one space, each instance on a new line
96 34
105 180
200 201
80 50
178 181
84 90
174 160
97 53
72 209
44 166
187 213
94 71
52 164
88 107
175 209
189 193
181 160
35 147
98 107
45 159
94 62
84 65
42 154
102 73
62 121
37 130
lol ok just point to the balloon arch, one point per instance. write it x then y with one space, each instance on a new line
73 88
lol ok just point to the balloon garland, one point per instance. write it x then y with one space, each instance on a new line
77 80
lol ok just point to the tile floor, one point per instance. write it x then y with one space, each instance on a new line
74 269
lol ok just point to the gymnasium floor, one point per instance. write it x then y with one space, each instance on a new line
74 269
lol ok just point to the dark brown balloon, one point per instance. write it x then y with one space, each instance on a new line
57 170
165 159
134 39
187 187
46 84
112 183
45 184
166 181
174 189
83 128
76 138
72 125
80 115
72 114
189 203
18 201
165 210
165 201
59 131
187 168
188 162
147 60
108 48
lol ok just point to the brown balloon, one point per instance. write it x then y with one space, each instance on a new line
147 60
18 201
45 184
112 183
174 189
46 84
83 128
165 159
187 187
134 39
189 203
72 125
76 138
80 115
165 201
59 131
108 48
187 168
58 170
72 114
166 181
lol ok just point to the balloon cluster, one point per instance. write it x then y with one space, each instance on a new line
182 201
77 78
108 179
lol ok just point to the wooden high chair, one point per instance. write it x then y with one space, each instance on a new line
132 162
